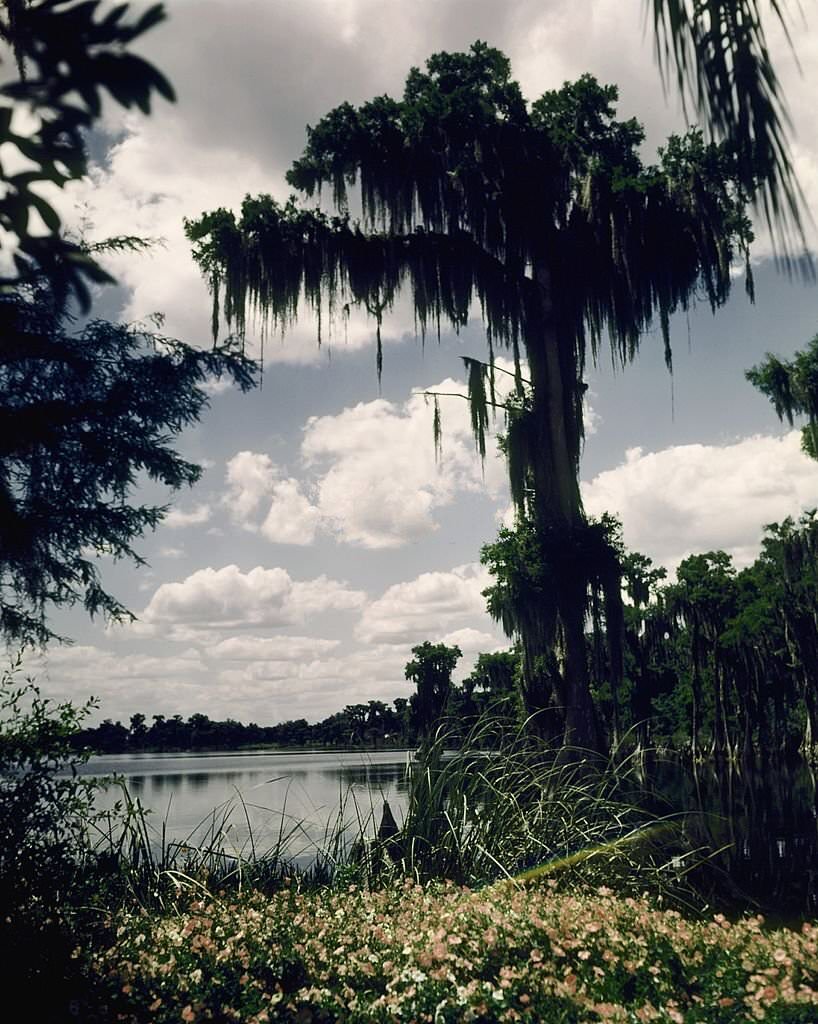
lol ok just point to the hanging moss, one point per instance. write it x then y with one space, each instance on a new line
792 387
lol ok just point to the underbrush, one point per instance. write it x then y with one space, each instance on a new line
508 952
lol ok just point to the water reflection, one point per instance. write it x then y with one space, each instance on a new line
369 776
764 822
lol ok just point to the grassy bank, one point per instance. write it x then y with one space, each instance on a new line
507 952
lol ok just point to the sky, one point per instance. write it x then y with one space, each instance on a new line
324 540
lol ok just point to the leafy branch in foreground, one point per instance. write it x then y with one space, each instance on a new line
722 62
82 415
67 60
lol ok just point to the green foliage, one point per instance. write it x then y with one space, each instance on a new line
44 805
68 59
723 661
792 387
82 414
722 63
491 801
531 567
431 670
45 813
357 725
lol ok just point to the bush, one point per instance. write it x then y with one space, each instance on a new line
45 813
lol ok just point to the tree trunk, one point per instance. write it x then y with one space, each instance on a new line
557 504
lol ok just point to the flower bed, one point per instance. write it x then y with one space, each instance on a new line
442 953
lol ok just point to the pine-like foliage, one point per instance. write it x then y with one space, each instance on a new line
83 414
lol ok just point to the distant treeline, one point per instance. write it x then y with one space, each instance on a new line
373 724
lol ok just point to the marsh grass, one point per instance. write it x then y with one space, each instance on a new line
503 805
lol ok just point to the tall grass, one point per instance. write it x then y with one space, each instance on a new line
501 804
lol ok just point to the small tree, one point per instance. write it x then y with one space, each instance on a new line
46 859
431 671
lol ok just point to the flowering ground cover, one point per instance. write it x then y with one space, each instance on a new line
508 952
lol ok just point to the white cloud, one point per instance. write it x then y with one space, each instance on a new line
473 641
695 498
269 648
379 482
372 478
124 683
177 519
171 552
227 598
432 604
254 478
250 478
291 519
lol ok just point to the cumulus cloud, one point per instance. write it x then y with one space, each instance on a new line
270 648
124 683
228 598
473 641
177 518
290 518
432 604
696 497
378 482
371 478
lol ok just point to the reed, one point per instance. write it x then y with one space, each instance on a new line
504 805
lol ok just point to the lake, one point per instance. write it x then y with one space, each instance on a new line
261 797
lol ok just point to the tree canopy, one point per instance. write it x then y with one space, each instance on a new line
431 670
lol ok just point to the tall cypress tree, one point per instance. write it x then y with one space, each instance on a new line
543 213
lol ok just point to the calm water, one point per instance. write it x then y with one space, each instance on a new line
260 795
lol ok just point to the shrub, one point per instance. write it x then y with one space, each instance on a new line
45 812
